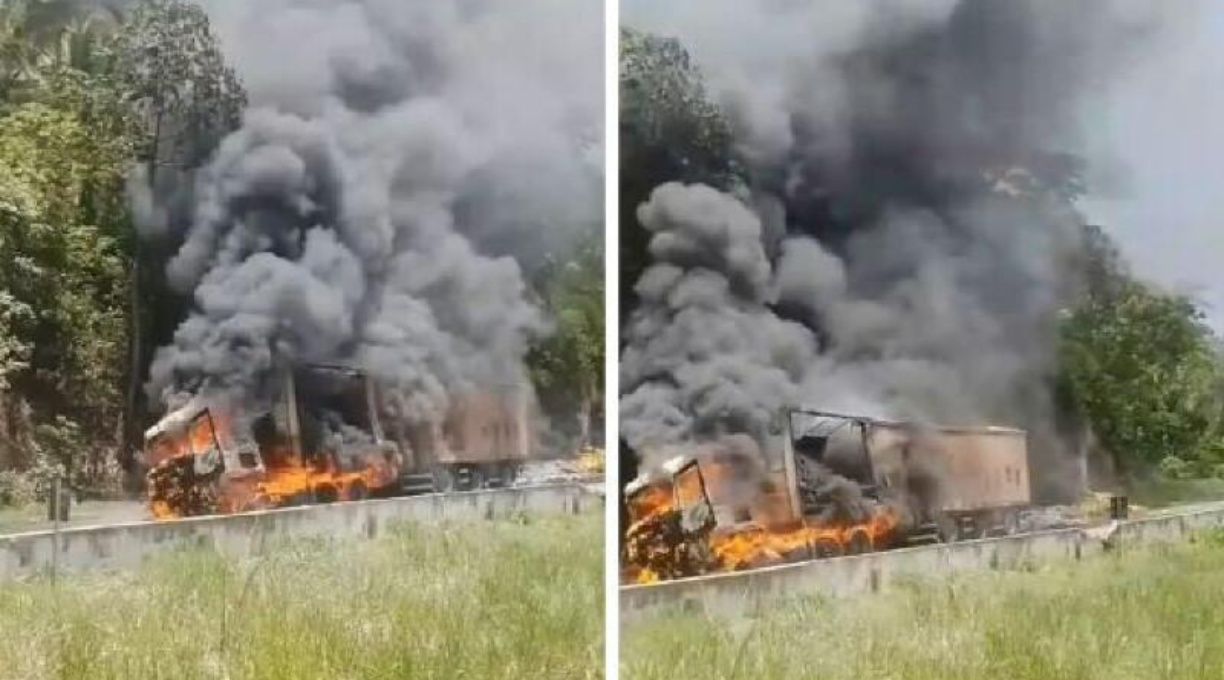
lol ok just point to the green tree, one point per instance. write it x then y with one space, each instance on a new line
568 366
64 279
669 131
170 66
84 94
1143 367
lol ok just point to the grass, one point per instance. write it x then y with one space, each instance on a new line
1159 492
511 599
1145 614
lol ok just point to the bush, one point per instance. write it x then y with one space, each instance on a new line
1176 468
17 489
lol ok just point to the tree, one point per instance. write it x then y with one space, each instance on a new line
84 93
669 131
63 284
172 70
1143 367
568 366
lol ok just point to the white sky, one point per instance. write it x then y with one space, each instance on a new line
1165 125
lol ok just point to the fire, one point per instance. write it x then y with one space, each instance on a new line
756 546
186 478
652 502
657 548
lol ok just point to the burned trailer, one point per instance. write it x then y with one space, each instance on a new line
483 442
821 484
949 482
328 434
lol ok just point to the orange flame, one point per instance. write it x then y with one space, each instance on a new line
652 554
177 490
739 549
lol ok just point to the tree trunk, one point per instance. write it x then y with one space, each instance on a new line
131 402
131 430
584 421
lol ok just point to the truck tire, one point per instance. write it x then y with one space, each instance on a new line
477 477
1011 523
825 548
297 499
948 528
443 479
326 493
859 543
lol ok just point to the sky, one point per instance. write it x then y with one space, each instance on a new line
1165 126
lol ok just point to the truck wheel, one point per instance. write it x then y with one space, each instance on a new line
825 548
443 479
358 491
948 528
297 499
1011 523
326 493
859 543
477 477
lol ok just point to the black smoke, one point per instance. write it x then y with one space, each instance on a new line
907 235
402 169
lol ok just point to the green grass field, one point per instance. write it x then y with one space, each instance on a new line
1156 613
510 599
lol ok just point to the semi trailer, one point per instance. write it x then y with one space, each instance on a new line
329 433
821 484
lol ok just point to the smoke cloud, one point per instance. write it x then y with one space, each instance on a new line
918 161
400 168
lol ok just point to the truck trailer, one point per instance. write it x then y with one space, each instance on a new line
328 434
821 484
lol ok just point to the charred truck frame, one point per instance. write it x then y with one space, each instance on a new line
328 435
821 484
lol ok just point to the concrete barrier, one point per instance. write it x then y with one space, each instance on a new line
126 545
745 592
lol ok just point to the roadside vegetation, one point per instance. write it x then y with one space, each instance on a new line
509 599
1155 612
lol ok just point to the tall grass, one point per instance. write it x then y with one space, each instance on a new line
514 599
1154 613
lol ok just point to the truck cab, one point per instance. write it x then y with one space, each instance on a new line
319 440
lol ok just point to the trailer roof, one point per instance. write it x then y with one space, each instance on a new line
967 429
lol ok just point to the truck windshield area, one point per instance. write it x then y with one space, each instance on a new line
201 435
833 441
334 409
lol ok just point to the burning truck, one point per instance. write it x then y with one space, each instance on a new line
328 435
822 484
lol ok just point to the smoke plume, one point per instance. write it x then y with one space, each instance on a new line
400 168
906 237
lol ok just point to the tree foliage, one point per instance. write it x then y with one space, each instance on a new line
174 75
670 130
85 94
1144 368
568 365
